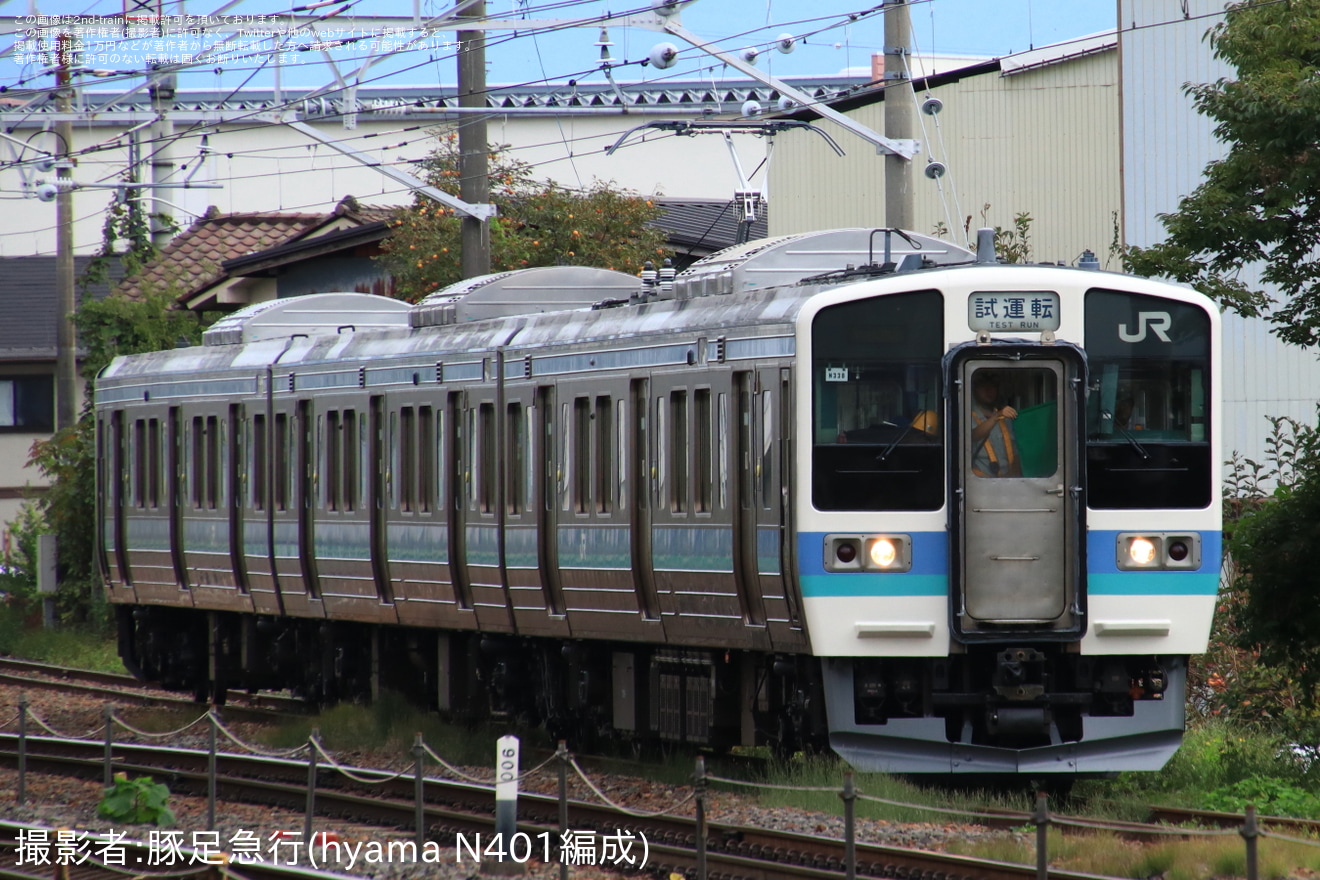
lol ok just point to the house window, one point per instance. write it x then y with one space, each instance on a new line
27 403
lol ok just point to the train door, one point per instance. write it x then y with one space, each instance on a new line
594 545
347 512
208 550
531 566
481 495
772 598
1020 517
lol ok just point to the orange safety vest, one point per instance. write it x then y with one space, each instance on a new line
1010 454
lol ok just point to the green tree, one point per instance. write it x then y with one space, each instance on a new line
1260 203
1260 671
539 224
107 327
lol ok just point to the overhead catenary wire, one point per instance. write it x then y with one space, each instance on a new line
190 132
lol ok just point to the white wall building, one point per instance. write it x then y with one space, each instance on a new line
228 141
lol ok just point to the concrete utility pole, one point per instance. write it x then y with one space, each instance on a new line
162 91
473 147
899 203
66 367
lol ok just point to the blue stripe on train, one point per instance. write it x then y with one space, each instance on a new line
930 575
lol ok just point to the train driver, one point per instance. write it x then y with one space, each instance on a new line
994 446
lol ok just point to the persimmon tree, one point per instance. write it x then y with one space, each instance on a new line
540 223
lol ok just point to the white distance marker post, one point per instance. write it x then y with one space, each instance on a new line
506 790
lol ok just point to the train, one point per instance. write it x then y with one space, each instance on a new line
750 504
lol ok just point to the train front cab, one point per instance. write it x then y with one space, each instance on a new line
1032 613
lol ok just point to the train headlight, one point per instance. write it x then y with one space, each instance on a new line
883 553
1159 551
889 553
1141 551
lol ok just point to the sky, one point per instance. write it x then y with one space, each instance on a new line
828 41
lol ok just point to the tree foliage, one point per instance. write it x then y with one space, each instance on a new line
1260 203
107 327
1262 669
539 224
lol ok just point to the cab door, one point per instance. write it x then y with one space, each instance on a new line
1018 495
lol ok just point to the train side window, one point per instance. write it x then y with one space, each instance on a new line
438 451
259 462
282 471
331 467
582 455
425 459
703 443
659 447
722 452
515 455
565 459
212 463
486 457
767 448
407 459
220 474
348 453
153 463
198 461
678 403
604 454
621 447
396 462
364 463
139 459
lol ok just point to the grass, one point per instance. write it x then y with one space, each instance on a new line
25 637
391 724
1189 859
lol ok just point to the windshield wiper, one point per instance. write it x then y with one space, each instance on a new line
1141 450
890 448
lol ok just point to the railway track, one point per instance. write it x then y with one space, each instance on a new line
115 686
454 809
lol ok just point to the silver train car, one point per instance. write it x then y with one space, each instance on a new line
939 514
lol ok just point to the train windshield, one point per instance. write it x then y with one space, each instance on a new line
875 379
1148 442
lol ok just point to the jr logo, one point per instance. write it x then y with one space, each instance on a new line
1159 322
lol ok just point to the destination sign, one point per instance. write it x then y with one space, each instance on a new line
1013 311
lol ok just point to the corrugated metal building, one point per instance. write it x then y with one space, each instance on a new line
1093 138
1036 133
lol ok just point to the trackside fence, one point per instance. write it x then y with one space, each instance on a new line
420 758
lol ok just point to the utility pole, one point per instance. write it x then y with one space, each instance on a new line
66 367
898 115
473 146
162 89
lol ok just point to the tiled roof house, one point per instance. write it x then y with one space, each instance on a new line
193 265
